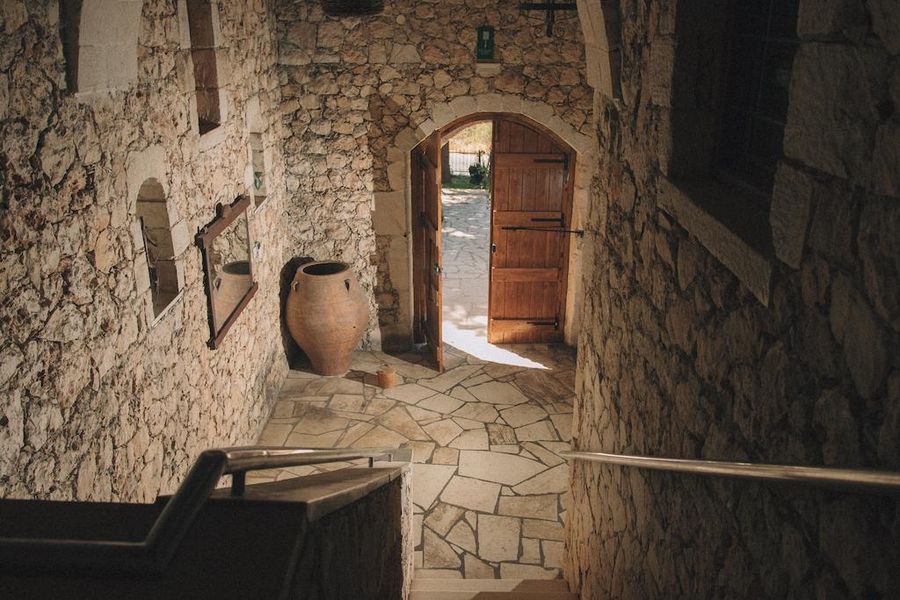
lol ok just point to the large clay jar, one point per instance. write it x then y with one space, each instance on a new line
327 314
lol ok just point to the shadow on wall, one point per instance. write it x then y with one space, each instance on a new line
292 351
394 335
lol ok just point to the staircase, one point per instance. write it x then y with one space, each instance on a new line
491 589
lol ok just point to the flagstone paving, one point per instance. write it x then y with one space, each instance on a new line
488 487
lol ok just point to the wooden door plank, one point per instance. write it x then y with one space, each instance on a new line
528 287
525 274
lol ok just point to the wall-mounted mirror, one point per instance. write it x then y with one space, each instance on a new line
227 266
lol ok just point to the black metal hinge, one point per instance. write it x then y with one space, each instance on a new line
578 232
555 323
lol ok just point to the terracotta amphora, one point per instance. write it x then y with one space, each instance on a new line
327 313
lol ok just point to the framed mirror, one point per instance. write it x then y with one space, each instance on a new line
227 267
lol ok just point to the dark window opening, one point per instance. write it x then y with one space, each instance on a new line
203 53
69 21
763 43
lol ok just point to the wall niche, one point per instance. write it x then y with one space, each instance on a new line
156 234
201 24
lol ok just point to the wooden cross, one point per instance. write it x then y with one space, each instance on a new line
551 6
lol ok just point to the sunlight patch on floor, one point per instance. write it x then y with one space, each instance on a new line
474 342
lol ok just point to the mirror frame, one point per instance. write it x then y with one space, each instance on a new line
225 216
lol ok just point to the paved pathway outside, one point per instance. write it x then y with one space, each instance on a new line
488 487
466 253
466 259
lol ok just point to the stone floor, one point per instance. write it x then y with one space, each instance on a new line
488 487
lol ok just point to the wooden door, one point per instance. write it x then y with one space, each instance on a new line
427 218
531 203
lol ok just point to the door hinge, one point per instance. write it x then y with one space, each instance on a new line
555 323
564 161
493 248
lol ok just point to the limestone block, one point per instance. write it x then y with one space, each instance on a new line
404 53
489 102
463 106
442 518
181 238
498 537
406 140
865 348
389 217
831 131
831 16
789 214
443 113
885 16
397 175
886 159
512 103
141 275
471 493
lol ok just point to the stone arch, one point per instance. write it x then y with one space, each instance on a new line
150 200
157 241
100 42
393 218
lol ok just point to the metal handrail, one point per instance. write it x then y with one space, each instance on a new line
883 481
153 553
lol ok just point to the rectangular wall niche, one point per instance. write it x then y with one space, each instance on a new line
258 162
156 231
206 73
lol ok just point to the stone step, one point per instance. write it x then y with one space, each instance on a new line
490 589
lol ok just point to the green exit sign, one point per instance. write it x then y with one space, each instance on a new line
484 48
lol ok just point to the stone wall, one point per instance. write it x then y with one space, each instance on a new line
702 343
100 400
360 93
362 550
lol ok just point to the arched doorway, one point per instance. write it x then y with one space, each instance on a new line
531 192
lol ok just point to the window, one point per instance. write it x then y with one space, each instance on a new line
755 102
69 21
203 54
153 216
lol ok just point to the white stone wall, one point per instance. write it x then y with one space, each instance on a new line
359 94
99 400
